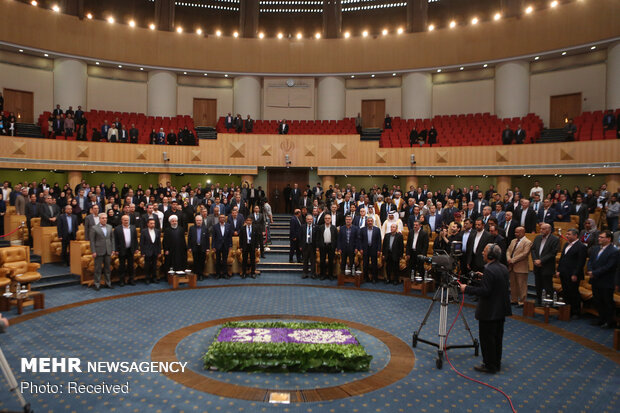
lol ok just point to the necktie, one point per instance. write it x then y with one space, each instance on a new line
308 236
198 233
249 233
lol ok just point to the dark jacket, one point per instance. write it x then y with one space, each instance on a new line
547 257
119 239
494 303
63 228
353 238
397 247
421 245
221 242
604 267
303 235
147 246
254 240
572 263
320 242
192 238
375 244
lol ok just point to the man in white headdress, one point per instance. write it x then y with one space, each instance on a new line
392 219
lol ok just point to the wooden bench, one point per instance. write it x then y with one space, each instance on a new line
355 279
562 312
424 287
175 280
33 298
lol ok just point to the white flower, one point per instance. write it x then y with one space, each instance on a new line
319 336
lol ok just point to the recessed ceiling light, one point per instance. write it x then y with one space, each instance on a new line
384 32
236 34
21 50
206 74
261 35
461 68
452 24
372 75
400 30
89 16
431 27
179 29
474 20
184 73
152 26
537 57
56 8
497 16
280 35
529 10
110 19
593 48
199 31
141 68
120 66
132 23
563 53
34 2
352 76
46 55
218 33
97 63
365 33
317 35
554 3
225 75
485 65
438 70
393 74
299 35
347 35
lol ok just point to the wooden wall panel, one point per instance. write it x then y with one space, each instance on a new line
572 24
332 155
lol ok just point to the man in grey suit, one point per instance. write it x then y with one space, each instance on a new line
102 246
91 221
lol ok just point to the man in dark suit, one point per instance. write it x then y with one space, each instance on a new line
370 246
57 111
295 225
283 128
221 244
150 248
49 212
348 238
570 270
609 121
581 210
228 122
258 220
126 241
520 135
602 268
133 134
499 240
544 250
305 202
293 197
527 217
417 244
547 214
248 242
306 237
326 243
337 218
148 215
392 251
236 221
480 203
198 243
475 245
67 228
507 135
563 209
492 308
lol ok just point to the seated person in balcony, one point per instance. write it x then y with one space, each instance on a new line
520 135
171 139
249 125
283 127
133 134
387 123
105 128
609 120
570 129
413 136
432 135
507 135
228 121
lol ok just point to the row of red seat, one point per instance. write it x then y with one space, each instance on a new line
590 126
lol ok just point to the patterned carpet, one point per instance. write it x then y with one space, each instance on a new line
541 371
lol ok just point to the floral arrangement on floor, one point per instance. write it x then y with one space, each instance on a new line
286 347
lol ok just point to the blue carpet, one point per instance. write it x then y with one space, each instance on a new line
540 370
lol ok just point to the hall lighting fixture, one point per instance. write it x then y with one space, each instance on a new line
132 23
347 35
152 26
120 66
452 24
299 35
179 29
56 8
474 20
393 74
318 35
218 33
89 16
97 63
372 75
593 47
438 70
461 68
46 55
280 35
365 33
110 19
431 27
235 35
225 75
384 32
184 73
563 53
141 68
529 10
352 76
34 2
21 50
199 31
206 74
261 35
537 57
554 3
497 16
400 30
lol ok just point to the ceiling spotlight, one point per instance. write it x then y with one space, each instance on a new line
537 57
393 74
452 24
563 53
110 19
347 35
497 16
46 55
554 3
179 29
97 63
299 36
593 48
199 31
485 65
384 32
438 70
120 66
474 20
529 10
34 2
365 33
400 30
21 50
184 73
141 68
372 75
225 75
56 8
236 34
89 16
280 35
431 27
261 35
218 33
461 68
152 26
352 76
206 74
132 23
317 36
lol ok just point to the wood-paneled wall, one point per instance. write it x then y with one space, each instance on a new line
571 24
331 154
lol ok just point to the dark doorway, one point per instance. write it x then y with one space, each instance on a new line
281 177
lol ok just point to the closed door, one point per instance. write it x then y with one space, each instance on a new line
279 178
205 112
373 113
564 107
21 103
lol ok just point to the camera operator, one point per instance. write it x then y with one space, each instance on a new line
492 308
4 324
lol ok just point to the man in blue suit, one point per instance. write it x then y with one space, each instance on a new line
348 238
563 209
67 228
370 246
602 267
547 214
221 244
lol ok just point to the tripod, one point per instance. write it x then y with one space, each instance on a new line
443 295
10 378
